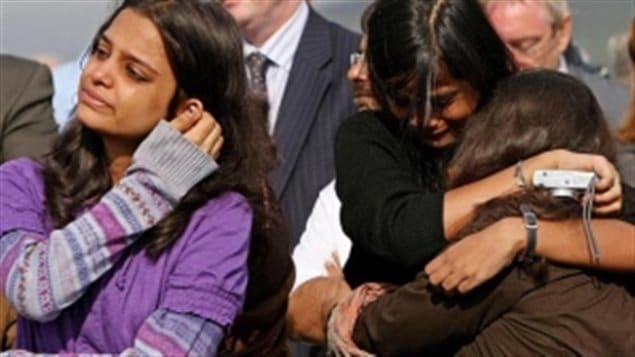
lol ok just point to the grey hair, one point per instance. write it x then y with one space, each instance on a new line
558 9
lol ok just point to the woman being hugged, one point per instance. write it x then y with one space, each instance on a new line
131 238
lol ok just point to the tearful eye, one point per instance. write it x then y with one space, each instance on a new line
135 74
440 104
100 52
442 101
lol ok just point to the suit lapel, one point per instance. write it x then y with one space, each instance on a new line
307 84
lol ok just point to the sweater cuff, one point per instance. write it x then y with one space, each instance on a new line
176 161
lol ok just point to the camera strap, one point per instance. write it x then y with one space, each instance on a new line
587 210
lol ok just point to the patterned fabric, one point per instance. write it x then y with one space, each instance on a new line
165 333
280 49
257 64
44 274
316 100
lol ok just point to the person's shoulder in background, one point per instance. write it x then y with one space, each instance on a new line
612 95
27 127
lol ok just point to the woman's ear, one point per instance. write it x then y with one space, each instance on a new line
194 105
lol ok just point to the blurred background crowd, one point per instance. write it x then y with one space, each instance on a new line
41 30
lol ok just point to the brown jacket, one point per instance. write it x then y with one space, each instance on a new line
569 313
260 329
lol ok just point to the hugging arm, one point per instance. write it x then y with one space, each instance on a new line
419 319
478 257
386 210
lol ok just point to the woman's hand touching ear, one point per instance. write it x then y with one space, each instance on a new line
199 127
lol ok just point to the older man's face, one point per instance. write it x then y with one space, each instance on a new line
360 78
528 31
247 11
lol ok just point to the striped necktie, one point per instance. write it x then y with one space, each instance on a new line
257 64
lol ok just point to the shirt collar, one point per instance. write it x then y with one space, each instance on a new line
562 66
281 46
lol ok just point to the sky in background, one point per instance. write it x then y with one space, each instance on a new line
64 27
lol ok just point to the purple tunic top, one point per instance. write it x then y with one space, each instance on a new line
204 273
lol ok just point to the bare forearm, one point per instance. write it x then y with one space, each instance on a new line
459 203
565 242
309 306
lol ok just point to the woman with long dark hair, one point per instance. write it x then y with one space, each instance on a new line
532 307
130 237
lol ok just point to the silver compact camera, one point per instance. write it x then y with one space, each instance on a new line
564 183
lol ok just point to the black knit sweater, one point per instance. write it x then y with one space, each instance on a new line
392 202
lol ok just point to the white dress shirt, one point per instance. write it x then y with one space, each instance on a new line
65 82
562 65
322 237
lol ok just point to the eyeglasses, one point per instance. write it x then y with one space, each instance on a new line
358 58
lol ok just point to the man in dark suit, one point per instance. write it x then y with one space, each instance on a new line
26 117
305 59
538 34
298 61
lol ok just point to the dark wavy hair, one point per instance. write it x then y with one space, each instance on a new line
204 49
412 41
415 39
529 113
